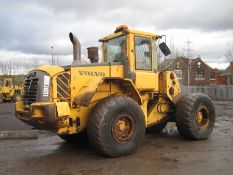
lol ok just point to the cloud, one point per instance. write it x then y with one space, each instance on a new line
165 14
32 27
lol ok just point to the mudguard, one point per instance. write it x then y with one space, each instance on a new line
88 90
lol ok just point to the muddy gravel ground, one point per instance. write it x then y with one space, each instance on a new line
8 121
163 153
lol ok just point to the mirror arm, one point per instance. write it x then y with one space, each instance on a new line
165 38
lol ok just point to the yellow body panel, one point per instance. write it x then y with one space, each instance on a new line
89 77
167 82
146 81
63 109
51 70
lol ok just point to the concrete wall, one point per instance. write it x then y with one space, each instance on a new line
216 92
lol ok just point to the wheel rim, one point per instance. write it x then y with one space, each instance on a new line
202 117
123 128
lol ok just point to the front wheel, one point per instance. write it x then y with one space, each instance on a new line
116 126
195 116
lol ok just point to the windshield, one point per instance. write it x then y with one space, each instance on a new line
115 50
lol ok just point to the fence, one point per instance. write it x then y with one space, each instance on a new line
216 92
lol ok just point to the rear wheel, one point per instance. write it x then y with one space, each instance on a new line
195 116
116 126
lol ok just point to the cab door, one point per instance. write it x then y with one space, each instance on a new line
144 59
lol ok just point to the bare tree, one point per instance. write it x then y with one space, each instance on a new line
229 52
175 52
14 66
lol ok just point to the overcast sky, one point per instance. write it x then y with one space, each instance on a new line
28 28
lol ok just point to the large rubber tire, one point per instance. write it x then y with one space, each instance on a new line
156 128
74 138
188 110
116 126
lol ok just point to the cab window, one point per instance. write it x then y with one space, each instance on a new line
115 50
143 53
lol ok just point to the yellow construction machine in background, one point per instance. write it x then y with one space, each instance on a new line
10 92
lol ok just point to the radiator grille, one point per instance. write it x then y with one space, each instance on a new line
30 91
63 87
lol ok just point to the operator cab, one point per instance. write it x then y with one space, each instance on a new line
137 50
127 44
7 82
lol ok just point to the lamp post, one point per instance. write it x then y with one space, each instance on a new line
189 71
52 54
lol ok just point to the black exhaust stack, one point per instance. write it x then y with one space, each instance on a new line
76 49
93 55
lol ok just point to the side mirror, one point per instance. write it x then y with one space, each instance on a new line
163 47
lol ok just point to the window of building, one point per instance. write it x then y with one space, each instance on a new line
212 75
143 53
199 75
178 74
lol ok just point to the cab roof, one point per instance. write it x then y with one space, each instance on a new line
123 29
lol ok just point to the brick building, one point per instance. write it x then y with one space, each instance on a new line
193 72
228 74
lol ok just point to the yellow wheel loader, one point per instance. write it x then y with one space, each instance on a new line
113 102
10 92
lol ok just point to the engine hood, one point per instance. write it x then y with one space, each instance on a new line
50 70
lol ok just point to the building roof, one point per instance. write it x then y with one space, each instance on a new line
168 62
228 71
165 64
198 59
